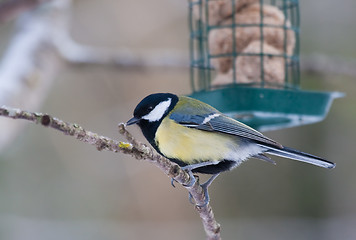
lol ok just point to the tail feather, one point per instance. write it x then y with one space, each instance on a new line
299 156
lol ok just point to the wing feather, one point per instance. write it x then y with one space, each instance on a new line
222 124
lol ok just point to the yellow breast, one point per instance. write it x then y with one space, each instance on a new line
191 145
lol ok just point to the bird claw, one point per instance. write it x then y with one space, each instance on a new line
192 179
191 198
205 187
172 182
206 195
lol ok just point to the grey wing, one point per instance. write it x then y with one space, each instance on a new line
217 122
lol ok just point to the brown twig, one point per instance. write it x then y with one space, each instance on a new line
134 148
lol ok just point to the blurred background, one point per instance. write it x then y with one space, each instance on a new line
55 187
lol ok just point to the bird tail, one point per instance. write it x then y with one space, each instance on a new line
299 156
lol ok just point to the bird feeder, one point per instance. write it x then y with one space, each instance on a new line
244 57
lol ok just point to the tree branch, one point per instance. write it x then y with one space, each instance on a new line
136 149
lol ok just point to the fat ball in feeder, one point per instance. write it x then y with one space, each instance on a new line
245 61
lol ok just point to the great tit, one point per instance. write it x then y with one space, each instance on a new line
201 139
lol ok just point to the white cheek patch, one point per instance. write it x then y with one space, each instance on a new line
158 112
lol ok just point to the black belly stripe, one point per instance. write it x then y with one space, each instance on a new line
222 166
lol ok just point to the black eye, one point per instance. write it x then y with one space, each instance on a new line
150 108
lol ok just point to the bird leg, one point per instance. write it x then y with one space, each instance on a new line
191 182
204 186
205 189
192 179
191 167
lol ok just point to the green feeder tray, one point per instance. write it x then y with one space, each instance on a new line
270 109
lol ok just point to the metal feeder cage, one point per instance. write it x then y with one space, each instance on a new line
244 57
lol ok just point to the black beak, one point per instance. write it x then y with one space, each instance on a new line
133 120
